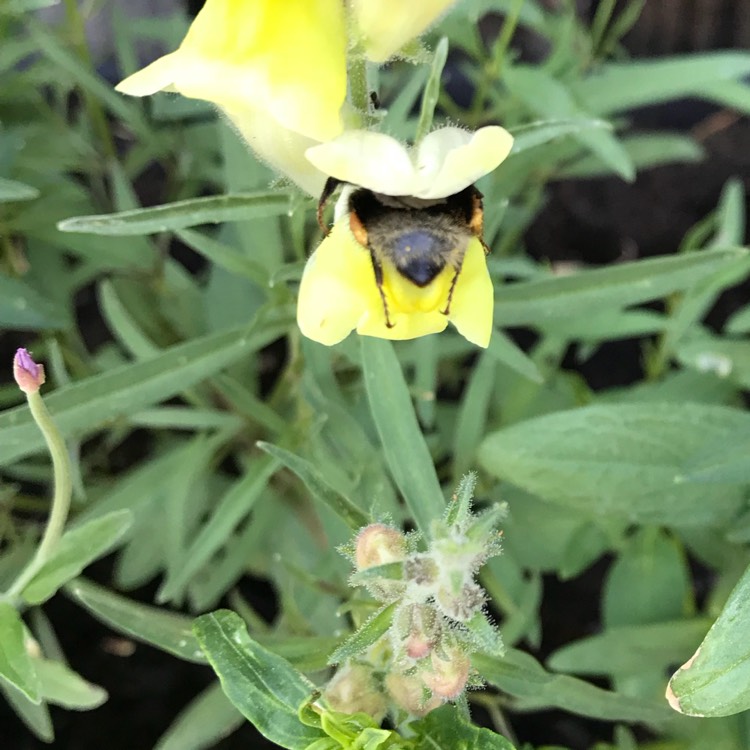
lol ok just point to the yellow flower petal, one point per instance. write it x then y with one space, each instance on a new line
338 293
286 57
337 288
387 25
472 306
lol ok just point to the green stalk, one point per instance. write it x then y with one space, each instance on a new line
63 488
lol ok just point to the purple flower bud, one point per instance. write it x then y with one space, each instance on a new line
28 374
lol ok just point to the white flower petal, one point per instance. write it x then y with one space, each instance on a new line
464 163
371 160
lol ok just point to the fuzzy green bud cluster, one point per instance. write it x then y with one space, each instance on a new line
424 656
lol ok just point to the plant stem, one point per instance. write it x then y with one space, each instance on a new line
63 488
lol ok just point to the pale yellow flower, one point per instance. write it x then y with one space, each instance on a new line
277 69
385 26
339 292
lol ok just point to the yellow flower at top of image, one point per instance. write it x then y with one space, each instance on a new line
405 255
276 68
386 26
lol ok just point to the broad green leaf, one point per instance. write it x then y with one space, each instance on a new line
631 649
521 676
719 460
586 292
34 715
22 307
447 728
16 665
266 689
91 403
308 653
375 627
403 445
181 214
10 191
78 548
715 681
618 460
63 687
649 581
341 505
202 723
156 626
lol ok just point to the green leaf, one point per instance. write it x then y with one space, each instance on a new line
181 214
719 460
649 582
22 307
618 460
231 508
341 505
547 97
403 444
91 403
78 548
34 715
16 665
11 191
538 133
432 90
715 681
375 627
620 86
447 728
202 723
586 292
63 687
266 689
156 626
631 649
521 676
504 350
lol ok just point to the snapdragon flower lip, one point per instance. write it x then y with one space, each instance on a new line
444 163
338 294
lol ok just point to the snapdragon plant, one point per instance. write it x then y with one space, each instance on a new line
240 385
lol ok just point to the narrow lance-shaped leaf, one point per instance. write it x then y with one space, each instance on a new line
16 665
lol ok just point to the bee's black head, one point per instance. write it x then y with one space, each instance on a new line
419 255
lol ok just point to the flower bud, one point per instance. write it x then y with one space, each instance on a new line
352 690
463 605
409 692
447 677
424 630
28 374
378 544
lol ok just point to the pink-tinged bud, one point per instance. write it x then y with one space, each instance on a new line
378 544
424 630
409 692
448 677
352 690
28 374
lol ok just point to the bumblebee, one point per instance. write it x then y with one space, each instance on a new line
418 237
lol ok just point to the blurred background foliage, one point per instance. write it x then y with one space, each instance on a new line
152 263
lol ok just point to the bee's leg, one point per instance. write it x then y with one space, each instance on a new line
379 282
328 190
447 310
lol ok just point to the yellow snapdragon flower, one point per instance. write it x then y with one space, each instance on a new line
340 292
276 68
386 26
